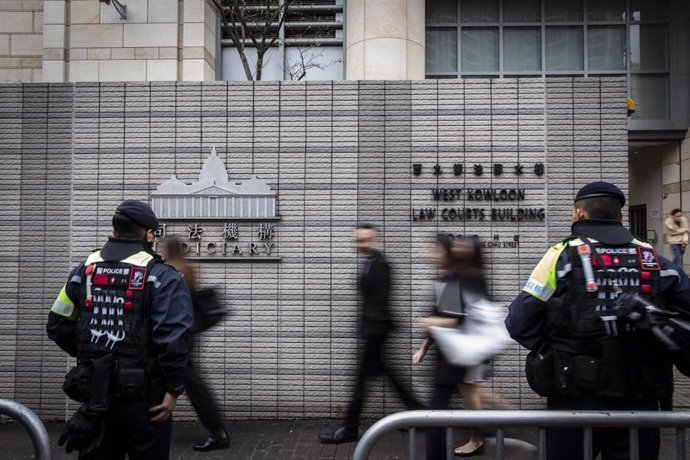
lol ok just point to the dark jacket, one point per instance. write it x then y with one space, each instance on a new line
171 312
375 285
527 315
646 362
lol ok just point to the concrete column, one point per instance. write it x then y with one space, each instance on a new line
55 41
385 39
198 41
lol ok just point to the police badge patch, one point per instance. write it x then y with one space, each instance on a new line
648 258
137 278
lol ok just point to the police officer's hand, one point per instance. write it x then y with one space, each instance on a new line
164 410
83 432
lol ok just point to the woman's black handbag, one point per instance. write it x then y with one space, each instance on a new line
450 302
207 309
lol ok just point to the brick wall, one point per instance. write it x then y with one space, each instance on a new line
338 153
21 40
86 40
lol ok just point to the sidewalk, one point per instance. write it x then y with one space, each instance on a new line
278 440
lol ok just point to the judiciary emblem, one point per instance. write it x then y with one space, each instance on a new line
222 219
214 196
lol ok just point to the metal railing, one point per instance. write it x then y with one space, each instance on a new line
518 418
33 424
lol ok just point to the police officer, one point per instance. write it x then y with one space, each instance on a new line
126 317
583 356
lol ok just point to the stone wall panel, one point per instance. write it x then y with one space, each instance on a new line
338 154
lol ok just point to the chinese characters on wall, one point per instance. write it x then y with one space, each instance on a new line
497 169
478 204
214 241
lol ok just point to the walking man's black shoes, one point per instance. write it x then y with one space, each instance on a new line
342 433
217 440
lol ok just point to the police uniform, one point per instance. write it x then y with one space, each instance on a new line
126 317
583 356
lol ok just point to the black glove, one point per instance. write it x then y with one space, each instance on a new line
83 432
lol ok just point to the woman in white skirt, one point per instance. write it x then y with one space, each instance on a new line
461 279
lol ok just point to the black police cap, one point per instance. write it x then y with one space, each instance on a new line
600 188
140 212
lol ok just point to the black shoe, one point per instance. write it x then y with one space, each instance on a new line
341 434
218 440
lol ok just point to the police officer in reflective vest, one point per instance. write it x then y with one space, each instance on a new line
126 317
584 357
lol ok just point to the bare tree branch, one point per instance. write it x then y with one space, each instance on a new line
298 70
229 22
259 25
282 17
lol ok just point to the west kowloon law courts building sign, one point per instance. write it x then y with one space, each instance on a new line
263 182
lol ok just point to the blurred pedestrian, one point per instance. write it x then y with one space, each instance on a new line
676 233
461 281
375 325
197 390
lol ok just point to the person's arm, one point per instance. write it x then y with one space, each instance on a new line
418 357
172 317
439 321
674 286
672 230
526 320
62 319
527 315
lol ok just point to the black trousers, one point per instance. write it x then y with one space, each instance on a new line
129 431
612 443
202 400
436 437
372 364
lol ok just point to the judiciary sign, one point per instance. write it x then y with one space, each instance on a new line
222 220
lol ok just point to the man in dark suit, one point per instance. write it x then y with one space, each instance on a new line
375 324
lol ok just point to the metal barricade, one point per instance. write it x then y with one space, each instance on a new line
33 424
531 419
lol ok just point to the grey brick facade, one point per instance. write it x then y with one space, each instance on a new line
337 153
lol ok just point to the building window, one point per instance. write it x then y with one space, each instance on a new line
497 38
564 49
480 50
309 44
521 10
649 47
605 10
479 11
564 11
521 49
651 93
606 48
444 43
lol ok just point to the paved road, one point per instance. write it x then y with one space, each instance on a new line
277 440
